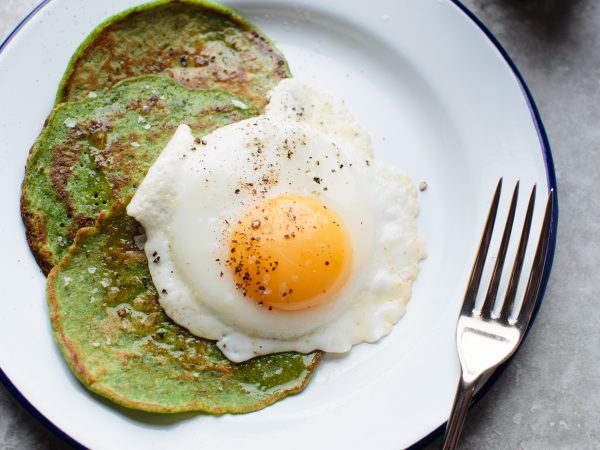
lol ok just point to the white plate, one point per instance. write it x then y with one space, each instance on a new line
439 99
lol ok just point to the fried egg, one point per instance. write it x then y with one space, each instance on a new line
281 232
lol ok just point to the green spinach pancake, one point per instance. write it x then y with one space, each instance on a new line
120 344
199 44
95 152
128 87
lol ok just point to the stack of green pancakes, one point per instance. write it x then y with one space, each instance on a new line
127 88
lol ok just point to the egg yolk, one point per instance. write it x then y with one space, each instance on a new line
290 253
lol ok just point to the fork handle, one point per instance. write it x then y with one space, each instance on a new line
462 401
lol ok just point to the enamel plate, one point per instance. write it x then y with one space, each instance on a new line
440 99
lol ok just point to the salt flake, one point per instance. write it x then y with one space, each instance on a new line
239 104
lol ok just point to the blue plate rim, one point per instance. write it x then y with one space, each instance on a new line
552 184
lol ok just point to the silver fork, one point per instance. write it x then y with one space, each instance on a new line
484 339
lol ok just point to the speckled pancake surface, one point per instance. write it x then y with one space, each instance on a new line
120 344
95 152
199 44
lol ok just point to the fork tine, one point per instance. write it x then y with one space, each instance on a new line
490 297
515 275
476 271
537 269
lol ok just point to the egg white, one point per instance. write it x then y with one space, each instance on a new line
306 144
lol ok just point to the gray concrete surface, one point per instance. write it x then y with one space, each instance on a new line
549 398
